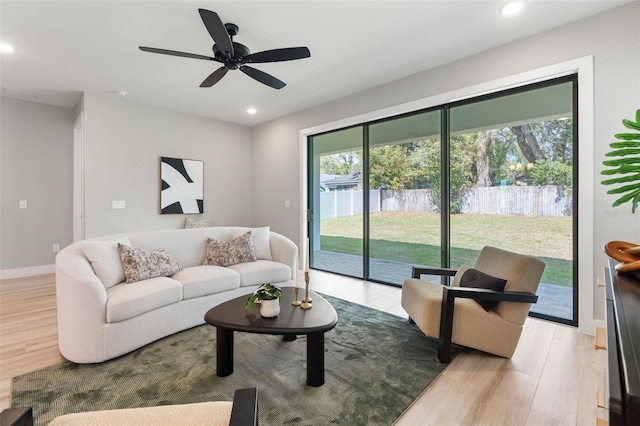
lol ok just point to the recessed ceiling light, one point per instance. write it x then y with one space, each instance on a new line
6 48
511 8
251 111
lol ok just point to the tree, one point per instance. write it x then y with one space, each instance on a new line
528 143
483 175
393 167
340 164
555 138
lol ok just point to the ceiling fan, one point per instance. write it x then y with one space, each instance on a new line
233 55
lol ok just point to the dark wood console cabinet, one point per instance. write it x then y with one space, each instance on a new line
623 345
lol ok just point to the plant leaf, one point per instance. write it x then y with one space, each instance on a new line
626 198
623 152
631 124
625 144
622 161
627 136
631 178
624 189
625 168
628 147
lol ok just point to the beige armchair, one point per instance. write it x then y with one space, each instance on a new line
497 330
242 411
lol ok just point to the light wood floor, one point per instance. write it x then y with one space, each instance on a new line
552 379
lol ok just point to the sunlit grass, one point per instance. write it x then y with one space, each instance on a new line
415 238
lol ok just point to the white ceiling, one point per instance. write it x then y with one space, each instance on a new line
63 48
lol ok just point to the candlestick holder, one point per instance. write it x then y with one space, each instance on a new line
296 302
306 302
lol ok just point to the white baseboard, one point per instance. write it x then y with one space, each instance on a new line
27 272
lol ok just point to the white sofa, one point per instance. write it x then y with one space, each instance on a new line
98 321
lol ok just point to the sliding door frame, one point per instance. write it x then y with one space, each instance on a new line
583 122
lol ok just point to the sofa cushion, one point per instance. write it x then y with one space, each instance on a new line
127 301
261 271
204 280
140 264
226 253
105 259
260 239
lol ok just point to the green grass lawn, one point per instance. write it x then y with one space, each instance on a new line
415 238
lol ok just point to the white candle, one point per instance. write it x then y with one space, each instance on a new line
306 266
296 272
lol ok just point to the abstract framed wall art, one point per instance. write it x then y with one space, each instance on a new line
182 183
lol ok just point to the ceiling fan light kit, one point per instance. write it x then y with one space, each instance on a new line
233 55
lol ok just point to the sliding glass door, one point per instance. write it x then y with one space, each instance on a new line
404 161
337 201
512 178
433 187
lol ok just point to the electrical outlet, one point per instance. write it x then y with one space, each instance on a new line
23 204
287 203
117 204
56 248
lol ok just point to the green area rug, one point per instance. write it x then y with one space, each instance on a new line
376 364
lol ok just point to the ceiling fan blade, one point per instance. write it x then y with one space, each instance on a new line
217 31
263 77
214 77
277 55
176 53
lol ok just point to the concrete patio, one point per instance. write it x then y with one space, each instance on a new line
553 300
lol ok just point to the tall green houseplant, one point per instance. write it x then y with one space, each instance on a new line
627 147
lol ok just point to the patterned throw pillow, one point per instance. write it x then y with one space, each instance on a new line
225 253
140 264
197 223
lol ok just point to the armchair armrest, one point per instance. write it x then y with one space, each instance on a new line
20 416
449 295
245 408
486 294
417 271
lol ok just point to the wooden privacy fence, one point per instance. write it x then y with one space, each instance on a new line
548 200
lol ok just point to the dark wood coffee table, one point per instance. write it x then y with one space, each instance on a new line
232 316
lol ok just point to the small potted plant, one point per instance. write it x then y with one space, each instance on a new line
268 296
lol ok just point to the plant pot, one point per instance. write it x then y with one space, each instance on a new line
270 308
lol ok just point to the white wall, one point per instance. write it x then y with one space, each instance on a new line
613 38
36 166
123 145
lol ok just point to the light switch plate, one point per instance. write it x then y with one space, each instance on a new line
117 204
23 204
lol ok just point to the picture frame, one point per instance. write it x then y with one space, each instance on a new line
181 186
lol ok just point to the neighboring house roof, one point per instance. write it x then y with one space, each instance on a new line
332 181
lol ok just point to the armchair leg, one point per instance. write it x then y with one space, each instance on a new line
446 327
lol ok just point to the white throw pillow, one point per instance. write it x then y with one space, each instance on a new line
260 239
105 259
